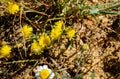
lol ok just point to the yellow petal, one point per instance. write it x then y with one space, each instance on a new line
70 32
27 30
5 50
44 74
44 40
35 48
12 8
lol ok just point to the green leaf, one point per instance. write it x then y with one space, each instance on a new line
94 11
92 75
78 76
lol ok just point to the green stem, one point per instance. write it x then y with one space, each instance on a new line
21 61
112 7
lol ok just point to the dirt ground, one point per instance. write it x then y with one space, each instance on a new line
101 60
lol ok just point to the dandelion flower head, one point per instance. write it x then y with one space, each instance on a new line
44 40
12 8
35 48
58 24
5 50
43 72
56 33
27 30
70 32
57 30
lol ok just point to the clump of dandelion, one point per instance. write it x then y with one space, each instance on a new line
27 30
57 30
70 32
44 40
43 72
35 48
38 46
5 50
12 8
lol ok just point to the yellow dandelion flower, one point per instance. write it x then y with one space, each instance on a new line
12 8
5 50
57 30
35 48
26 30
44 40
70 32
43 72
59 24
56 33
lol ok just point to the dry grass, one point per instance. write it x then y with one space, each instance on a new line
94 26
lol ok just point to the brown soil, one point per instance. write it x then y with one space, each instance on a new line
102 34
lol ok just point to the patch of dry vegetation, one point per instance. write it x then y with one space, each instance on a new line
75 39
